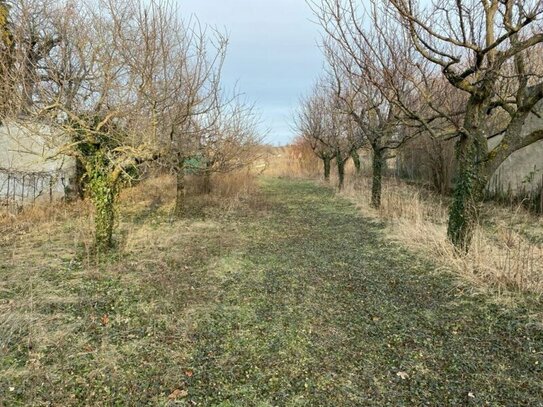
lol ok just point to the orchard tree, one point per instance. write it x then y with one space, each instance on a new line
369 81
229 139
312 124
329 130
487 49
103 88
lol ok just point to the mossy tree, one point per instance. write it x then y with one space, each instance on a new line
108 164
498 70
463 70
108 93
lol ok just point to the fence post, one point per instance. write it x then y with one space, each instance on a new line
51 188
7 192
23 192
14 190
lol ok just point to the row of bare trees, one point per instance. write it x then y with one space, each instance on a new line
463 70
122 83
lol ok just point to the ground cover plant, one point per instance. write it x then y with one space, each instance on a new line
291 298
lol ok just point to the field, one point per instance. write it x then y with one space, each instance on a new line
288 296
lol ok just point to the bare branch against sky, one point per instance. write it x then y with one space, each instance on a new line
273 56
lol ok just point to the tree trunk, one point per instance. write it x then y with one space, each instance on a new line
180 193
79 181
206 185
356 161
377 177
327 161
468 192
340 171
206 179
105 220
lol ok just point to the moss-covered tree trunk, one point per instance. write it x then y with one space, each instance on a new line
104 189
469 185
104 202
327 162
377 177
470 180
356 161
340 161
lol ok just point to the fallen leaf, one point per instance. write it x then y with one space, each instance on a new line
188 373
177 394
402 375
105 319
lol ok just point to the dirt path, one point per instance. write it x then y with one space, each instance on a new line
319 310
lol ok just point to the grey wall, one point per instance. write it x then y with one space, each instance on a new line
30 166
523 170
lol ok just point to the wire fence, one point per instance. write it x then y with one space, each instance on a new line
20 189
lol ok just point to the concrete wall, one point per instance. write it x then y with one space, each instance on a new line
30 167
523 170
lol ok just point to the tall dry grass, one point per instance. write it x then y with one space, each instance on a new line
228 192
292 161
506 252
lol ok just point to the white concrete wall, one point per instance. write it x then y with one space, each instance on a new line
30 166
523 170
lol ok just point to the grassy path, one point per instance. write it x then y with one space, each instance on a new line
320 311
295 301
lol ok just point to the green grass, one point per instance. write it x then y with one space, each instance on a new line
294 301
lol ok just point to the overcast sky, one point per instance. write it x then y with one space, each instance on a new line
273 54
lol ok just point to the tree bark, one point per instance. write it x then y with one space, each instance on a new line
327 161
79 181
206 182
468 192
180 193
340 171
377 177
356 161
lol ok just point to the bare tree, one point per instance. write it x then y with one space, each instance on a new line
28 36
196 101
6 56
105 84
312 124
330 132
453 69
370 79
229 139
486 49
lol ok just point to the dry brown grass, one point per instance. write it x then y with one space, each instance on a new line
291 162
228 191
506 253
